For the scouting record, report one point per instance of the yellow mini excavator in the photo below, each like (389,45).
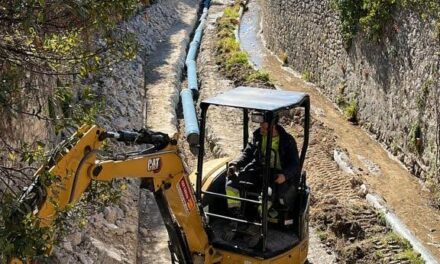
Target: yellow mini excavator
(203,226)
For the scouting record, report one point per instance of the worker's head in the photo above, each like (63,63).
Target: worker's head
(264,127)
(259,117)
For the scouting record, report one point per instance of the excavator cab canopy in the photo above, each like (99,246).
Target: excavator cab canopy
(263,105)
(267,101)
(259,99)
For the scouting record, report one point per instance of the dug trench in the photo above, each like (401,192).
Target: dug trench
(224,125)
(340,216)
(345,228)
(342,221)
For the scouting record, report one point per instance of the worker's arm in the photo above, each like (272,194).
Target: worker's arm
(291,168)
(245,157)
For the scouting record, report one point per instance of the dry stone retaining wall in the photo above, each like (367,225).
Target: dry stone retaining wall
(394,82)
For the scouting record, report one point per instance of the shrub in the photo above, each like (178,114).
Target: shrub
(307,75)
(259,76)
(371,16)
(351,110)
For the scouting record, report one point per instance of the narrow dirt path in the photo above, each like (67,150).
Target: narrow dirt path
(163,73)
(400,189)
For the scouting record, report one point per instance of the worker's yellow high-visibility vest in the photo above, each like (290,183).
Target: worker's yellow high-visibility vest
(234,192)
(274,154)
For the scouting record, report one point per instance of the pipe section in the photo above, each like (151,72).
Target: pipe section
(191,67)
(189,112)
(191,64)
(189,95)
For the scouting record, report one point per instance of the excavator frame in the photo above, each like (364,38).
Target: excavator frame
(77,163)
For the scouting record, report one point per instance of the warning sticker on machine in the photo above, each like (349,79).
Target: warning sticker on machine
(185,195)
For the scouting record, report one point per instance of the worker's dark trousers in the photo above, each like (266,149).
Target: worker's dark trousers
(283,195)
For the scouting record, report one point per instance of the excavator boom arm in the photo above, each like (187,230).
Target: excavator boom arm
(76,165)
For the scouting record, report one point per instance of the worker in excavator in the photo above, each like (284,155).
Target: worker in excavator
(284,164)
(198,232)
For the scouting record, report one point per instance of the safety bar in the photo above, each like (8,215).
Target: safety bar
(233,219)
(232,197)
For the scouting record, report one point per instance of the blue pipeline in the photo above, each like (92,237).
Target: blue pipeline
(191,64)
(189,112)
(192,71)
(192,52)
(189,95)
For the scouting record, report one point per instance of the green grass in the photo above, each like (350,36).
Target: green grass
(382,220)
(259,75)
(229,44)
(379,254)
(234,62)
(232,12)
(408,253)
(412,256)
(340,100)
(322,235)
(237,59)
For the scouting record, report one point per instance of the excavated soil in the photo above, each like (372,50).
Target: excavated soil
(343,218)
